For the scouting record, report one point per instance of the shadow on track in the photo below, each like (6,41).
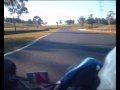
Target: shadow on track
(50,46)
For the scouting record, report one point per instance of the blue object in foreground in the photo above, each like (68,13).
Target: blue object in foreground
(84,75)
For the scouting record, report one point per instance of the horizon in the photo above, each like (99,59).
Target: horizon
(53,11)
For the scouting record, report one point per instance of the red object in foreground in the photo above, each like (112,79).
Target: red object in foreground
(38,77)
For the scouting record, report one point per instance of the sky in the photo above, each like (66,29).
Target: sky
(53,11)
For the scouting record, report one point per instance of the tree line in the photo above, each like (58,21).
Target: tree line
(90,20)
(18,7)
(36,20)
(17,20)
(81,20)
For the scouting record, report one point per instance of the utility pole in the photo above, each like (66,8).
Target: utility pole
(57,24)
(101,10)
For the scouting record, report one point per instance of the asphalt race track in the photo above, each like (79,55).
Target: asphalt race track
(55,53)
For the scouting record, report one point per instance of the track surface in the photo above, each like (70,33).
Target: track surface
(58,51)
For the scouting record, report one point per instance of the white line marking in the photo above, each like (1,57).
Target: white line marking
(11,52)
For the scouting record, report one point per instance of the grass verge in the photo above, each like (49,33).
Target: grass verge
(102,29)
(15,41)
(102,32)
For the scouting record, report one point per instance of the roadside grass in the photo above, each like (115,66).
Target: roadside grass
(12,44)
(15,41)
(20,26)
(103,29)
(25,28)
(103,32)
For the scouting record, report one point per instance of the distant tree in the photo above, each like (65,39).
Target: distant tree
(104,21)
(16,7)
(91,20)
(10,20)
(60,21)
(57,24)
(81,20)
(45,22)
(100,21)
(70,21)
(30,21)
(113,21)
(97,20)
(22,21)
(110,17)
(18,20)
(37,20)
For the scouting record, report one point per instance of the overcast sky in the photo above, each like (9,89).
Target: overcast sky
(52,11)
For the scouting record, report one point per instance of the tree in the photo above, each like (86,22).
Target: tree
(70,21)
(37,20)
(100,21)
(60,21)
(57,24)
(113,21)
(90,20)
(103,21)
(110,17)
(81,20)
(30,21)
(97,20)
(8,20)
(16,7)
